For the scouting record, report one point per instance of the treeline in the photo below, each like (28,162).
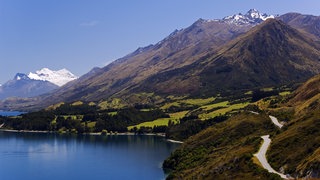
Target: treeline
(126,117)
(87,119)
(81,119)
(69,109)
(39,121)
(154,129)
(191,125)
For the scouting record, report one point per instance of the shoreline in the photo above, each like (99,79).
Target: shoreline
(95,134)
(125,133)
(24,131)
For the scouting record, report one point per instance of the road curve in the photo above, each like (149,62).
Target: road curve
(261,155)
(275,121)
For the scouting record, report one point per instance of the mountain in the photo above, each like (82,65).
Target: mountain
(208,57)
(22,86)
(304,23)
(181,48)
(267,56)
(34,84)
(59,78)
(271,54)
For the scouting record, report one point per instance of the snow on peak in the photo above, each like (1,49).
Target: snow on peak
(59,78)
(252,17)
(20,76)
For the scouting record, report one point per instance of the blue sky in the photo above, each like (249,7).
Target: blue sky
(82,34)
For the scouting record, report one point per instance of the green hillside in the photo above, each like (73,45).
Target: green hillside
(224,150)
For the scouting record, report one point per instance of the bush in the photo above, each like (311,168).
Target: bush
(104,132)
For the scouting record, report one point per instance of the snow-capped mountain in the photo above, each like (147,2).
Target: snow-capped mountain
(22,86)
(59,78)
(34,84)
(252,17)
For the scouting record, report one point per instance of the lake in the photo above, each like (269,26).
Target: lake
(32,156)
(10,113)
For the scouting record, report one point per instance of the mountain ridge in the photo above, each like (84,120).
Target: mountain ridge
(253,16)
(180,51)
(255,52)
(180,48)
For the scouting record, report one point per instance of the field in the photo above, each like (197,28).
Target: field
(174,117)
(225,109)
(205,109)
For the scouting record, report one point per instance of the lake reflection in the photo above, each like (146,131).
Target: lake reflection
(52,156)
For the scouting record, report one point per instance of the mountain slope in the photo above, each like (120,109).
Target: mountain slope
(270,54)
(34,84)
(181,48)
(297,150)
(224,151)
(22,86)
(306,23)
(206,58)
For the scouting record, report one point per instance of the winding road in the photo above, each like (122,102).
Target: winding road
(261,154)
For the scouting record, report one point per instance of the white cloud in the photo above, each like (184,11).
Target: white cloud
(89,23)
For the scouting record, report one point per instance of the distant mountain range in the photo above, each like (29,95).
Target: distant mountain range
(236,53)
(34,84)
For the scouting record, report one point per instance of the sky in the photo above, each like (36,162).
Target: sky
(81,34)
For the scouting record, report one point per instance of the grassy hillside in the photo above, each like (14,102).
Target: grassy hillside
(297,149)
(223,151)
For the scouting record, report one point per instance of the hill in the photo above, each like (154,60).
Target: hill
(297,150)
(224,150)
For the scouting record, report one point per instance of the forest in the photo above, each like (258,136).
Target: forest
(82,119)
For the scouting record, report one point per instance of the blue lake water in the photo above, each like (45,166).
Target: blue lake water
(10,113)
(32,156)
